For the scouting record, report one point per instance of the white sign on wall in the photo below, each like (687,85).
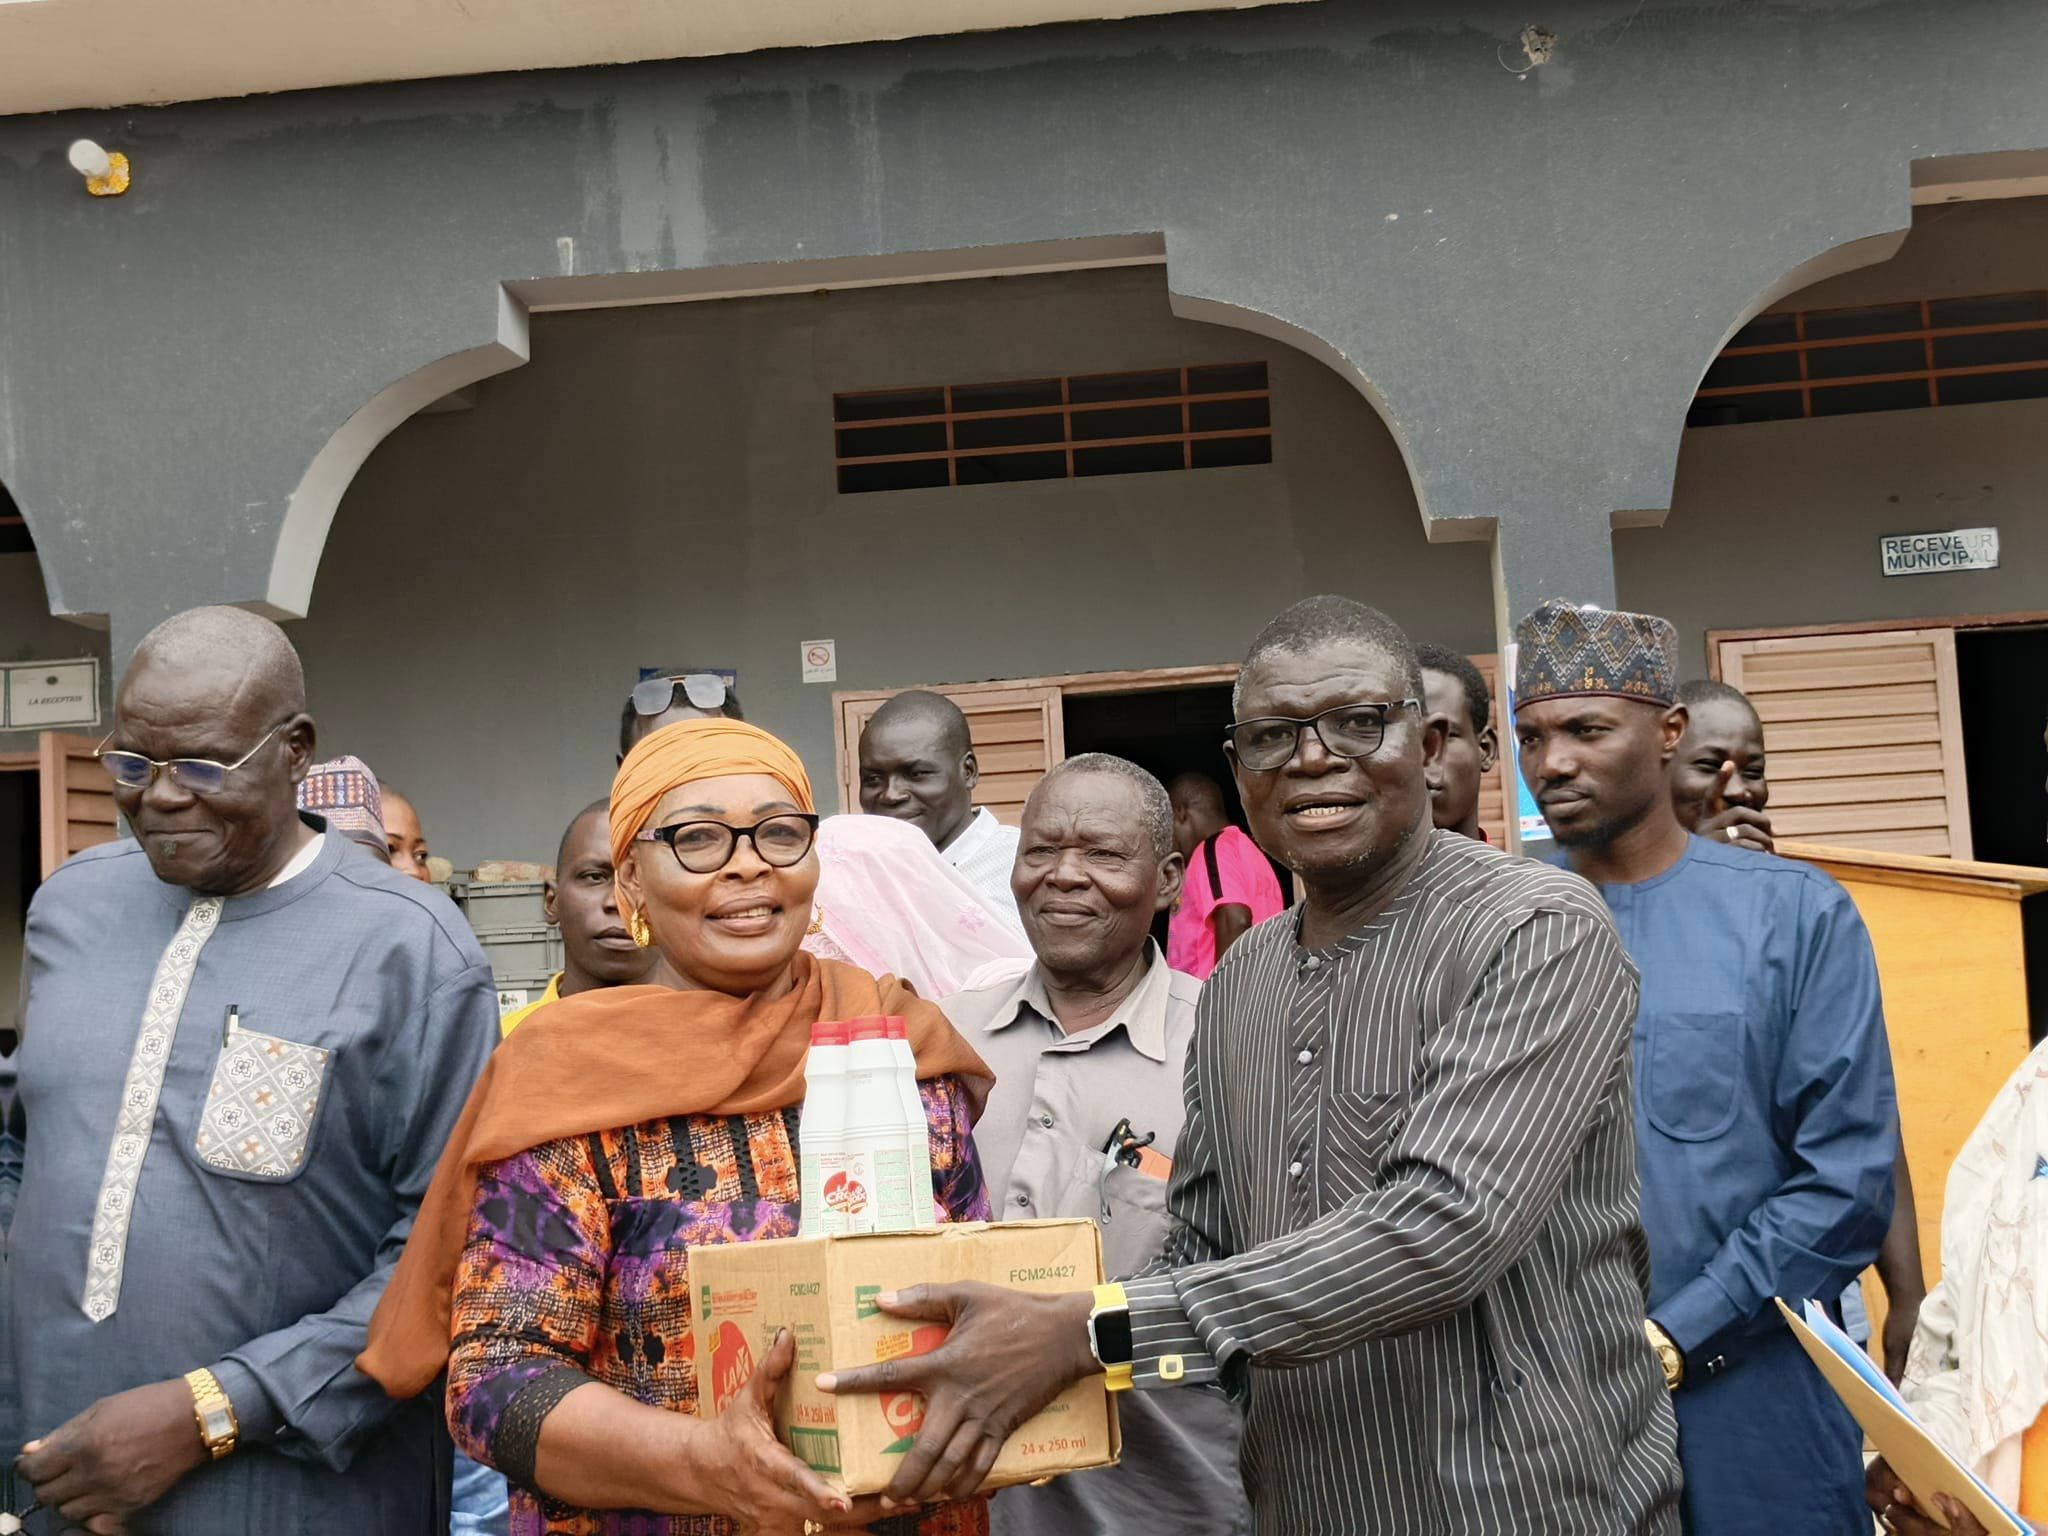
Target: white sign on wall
(821,661)
(44,695)
(1922,554)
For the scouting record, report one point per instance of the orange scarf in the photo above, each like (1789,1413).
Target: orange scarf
(616,1057)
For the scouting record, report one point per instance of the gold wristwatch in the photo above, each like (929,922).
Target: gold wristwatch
(1667,1354)
(216,1415)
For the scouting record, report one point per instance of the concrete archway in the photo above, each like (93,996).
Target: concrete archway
(314,501)
(656,488)
(302,534)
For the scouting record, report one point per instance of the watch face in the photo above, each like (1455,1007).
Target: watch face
(220,1424)
(1112,1334)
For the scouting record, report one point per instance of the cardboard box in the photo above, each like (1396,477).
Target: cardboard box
(823,1288)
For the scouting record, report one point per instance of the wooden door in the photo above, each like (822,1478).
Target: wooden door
(1864,737)
(1496,794)
(1017,729)
(77,798)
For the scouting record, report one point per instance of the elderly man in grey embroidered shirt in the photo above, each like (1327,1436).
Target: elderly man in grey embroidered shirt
(1088,1049)
(241,1054)
(1405,1200)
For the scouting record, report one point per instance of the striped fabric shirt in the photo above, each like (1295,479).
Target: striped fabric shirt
(983,853)
(1406,1218)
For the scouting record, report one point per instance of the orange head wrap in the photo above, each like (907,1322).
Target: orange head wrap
(690,750)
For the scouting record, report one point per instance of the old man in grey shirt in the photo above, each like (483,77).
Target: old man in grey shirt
(1089,1048)
(245,1042)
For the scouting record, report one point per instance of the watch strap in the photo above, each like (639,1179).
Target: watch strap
(215,1412)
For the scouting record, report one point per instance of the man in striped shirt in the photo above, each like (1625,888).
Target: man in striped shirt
(1404,1204)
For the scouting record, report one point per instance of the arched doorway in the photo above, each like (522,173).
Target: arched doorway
(701,485)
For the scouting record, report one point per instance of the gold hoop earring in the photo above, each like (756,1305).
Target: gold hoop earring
(817,922)
(636,925)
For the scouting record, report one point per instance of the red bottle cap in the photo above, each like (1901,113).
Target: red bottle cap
(829,1032)
(872,1028)
(899,1028)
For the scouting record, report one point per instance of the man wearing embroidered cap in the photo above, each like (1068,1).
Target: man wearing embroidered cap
(1765,1119)
(344,792)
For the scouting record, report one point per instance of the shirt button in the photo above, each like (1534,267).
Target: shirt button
(1294,1170)
(1020,1199)
(1046,1121)
(1306,1056)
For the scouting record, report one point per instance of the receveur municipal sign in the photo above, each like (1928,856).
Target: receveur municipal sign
(1922,554)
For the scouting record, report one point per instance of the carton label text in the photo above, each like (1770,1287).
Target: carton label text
(1035,1272)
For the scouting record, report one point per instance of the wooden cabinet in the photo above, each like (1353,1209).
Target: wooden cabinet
(1952,961)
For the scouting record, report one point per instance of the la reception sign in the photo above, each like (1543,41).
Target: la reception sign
(1922,554)
(37,695)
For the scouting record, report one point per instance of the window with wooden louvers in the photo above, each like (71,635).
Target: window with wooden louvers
(1862,735)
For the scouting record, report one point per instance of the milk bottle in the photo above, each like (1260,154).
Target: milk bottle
(821,1130)
(917,1131)
(875,1162)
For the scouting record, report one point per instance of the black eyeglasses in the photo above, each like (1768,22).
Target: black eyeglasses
(1349,730)
(657,695)
(200,775)
(706,847)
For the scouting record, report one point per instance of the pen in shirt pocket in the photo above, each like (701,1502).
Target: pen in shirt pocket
(229,1023)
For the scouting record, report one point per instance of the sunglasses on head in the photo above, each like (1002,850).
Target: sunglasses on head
(657,695)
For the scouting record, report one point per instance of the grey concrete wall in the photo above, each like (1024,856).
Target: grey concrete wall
(28,632)
(1777,523)
(1953,250)
(656,488)
(1530,266)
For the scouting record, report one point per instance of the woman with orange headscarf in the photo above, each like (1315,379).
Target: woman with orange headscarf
(618,1129)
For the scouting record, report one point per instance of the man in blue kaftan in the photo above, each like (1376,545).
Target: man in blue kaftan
(1766,1124)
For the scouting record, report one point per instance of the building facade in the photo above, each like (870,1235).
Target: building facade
(504,388)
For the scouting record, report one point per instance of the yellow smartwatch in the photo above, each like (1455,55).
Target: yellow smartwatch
(1109,1336)
(216,1415)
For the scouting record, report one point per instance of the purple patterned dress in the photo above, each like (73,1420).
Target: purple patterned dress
(577,1269)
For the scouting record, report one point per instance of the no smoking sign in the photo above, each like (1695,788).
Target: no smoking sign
(820,661)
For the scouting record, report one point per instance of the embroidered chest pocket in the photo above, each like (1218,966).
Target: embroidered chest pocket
(261,1107)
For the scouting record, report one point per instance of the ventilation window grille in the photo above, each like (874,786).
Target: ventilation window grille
(1200,417)
(1883,357)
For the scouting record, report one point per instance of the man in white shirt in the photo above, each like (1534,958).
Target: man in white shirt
(917,765)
